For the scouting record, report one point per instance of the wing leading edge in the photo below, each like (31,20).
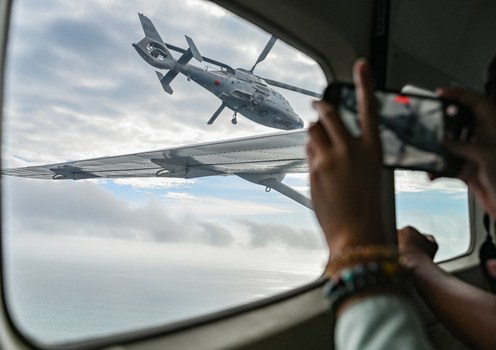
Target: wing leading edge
(263,160)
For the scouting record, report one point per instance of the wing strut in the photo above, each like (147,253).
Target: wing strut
(274,181)
(288,192)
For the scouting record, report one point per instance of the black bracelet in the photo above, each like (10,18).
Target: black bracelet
(360,278)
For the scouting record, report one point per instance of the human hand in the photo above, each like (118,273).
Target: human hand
(416,249)
(411,241)
(479,172)
(345,171)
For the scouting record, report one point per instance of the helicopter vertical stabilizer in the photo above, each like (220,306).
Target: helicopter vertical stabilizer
(152,48)
(149,28)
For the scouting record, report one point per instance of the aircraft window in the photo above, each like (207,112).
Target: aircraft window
(96,257)
(439,208)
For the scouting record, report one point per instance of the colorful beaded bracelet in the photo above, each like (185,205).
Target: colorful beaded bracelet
(362,277)
(361,255)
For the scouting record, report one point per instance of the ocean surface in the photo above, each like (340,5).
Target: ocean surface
(55,302)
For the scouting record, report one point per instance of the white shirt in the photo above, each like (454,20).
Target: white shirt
(381,322)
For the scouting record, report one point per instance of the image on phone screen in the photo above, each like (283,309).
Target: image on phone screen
(411,128)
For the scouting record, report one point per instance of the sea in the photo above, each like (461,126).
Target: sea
(56,302)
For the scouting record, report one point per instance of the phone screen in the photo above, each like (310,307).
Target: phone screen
(412,128)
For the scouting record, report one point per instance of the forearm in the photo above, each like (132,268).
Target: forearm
(468,312)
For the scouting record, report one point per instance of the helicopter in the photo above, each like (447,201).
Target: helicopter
(240,90)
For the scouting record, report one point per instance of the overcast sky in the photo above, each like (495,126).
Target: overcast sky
(77,89)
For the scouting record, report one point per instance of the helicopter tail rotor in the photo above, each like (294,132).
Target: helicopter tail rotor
(152,48)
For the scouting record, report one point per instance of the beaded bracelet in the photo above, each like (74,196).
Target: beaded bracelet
(362,277)
(361,254)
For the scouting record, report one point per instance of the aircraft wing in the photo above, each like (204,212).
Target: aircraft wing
(263,160)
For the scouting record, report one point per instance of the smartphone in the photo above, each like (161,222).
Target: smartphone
(412,127)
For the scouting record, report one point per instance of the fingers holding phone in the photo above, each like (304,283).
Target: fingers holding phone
(345,173)
(479,172)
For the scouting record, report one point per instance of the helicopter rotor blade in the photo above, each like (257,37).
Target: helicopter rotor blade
(292,88)
(206,59)
(265,51)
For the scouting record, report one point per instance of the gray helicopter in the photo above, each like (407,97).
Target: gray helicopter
(239,89)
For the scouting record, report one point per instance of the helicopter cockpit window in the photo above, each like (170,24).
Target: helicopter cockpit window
(159,235)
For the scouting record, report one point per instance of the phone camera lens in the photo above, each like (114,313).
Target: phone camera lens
(452,110)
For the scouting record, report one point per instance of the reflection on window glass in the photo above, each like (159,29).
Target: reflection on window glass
(439,208)
(89,258)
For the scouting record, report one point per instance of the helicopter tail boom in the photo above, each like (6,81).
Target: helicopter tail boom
(165,80)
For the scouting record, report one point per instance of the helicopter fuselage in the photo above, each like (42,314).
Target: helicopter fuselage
(239,90)
(246,94)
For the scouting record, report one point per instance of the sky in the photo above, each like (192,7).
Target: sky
(76,89)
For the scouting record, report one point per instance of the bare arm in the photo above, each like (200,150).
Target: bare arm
(345,179)
(469,313)
(345,176)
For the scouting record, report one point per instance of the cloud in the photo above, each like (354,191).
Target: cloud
(213,205)
(415,181)
(156,184)
(76,89)
(214,234)
(262,234)
(85,208)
